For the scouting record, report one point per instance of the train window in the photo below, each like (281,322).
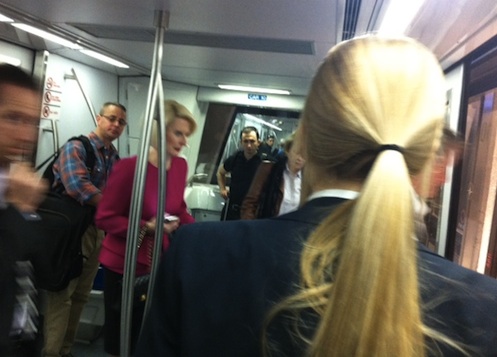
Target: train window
(221,136)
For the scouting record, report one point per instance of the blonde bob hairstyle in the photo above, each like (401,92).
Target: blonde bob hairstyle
(358,268)
(173,110)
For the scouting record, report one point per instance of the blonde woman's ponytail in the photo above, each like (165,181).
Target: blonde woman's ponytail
(373,119)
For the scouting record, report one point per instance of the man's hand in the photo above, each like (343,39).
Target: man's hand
(25,190)
(221,182)
(225,193)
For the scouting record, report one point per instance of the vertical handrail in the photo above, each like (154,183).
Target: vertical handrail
(55,134)
(40,71)
(161,204)
(161,19)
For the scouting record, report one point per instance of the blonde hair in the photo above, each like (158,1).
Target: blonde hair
(173,110)
(359,268)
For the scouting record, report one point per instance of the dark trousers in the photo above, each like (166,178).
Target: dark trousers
(233,213)
(112,327)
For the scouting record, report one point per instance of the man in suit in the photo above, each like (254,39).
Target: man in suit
(20,193)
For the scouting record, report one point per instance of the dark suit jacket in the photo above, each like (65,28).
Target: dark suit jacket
(219,279)
(18,242)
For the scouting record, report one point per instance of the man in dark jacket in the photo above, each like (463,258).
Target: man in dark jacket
(267,151)
(20,193)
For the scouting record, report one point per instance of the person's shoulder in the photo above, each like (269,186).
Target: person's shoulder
(257,157)
(79,143)
(179,166)
(94,139)
(73,149)
(443,272)
(179,161)
(130,160)
(219,233)
(200,228)
(230,160)
(228,235)
(236,154)
(459,302)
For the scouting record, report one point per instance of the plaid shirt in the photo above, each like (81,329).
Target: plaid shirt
(70,168)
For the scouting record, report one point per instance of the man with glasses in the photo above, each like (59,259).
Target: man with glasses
(85,185)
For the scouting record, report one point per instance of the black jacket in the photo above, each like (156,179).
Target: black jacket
(219,279)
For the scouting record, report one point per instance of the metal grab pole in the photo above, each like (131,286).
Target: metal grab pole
(161,204)
(161,19)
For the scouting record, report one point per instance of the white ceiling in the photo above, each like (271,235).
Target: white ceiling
(269,43)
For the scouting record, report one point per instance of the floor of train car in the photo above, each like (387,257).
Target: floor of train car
(89,349)
(89,338)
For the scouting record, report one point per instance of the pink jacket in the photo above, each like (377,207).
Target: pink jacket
(113,210)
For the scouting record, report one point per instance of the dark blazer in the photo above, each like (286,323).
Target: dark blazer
(219,279)
(18,242)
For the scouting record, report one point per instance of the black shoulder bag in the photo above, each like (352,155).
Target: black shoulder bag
(63,222)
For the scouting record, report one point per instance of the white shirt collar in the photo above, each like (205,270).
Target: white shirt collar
(345,194)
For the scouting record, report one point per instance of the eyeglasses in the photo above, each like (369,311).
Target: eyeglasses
(112,119)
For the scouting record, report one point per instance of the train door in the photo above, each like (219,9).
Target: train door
(475,238)
(220,139)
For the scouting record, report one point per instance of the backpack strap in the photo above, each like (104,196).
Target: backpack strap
(90,153)
(89,162)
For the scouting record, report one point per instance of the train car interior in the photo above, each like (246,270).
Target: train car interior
(235,63)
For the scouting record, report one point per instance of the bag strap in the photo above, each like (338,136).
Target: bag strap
(90,153)
(141,237)
(89,162)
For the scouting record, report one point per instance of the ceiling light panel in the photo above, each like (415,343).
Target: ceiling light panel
(254,89)
(104,58)
(46,35)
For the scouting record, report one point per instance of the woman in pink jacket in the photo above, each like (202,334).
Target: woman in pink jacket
(113,216)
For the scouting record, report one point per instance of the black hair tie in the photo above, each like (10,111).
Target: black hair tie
(390,147)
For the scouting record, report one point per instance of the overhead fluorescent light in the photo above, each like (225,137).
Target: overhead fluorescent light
(104,58)
(46,35)
(10,60)
(263,122)
(398,16)
(254,89)
(4,18)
